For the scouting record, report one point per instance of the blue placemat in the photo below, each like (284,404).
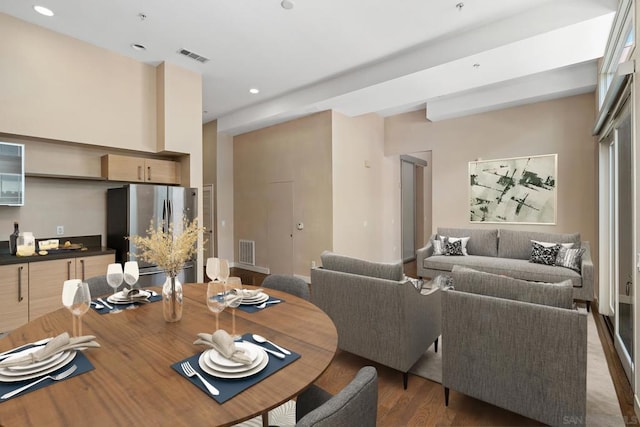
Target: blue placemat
(80,360)
(253,308)
(105,309)
(230,387)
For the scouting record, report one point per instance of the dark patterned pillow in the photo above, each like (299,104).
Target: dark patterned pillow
(454,248)
(570,258)
(544,254)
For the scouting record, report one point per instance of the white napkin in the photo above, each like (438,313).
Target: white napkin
(60,343)
(222,342)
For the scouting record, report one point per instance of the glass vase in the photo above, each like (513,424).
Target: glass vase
(172,299)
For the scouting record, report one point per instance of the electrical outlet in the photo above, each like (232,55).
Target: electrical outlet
(60,230)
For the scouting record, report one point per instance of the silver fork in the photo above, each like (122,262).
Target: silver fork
(58,377)
(190,372)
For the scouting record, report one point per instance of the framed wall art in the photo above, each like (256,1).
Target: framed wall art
(518,190)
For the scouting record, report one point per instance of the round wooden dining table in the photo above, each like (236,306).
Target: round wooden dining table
(133,383)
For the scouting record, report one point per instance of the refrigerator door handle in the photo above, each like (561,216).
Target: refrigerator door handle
(164,215)
(169,204)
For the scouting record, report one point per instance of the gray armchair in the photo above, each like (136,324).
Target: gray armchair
(356,404)
(515,344)
(378,315)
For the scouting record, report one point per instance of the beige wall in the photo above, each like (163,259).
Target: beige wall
(209,148)
(56,89)
(297,151)
(560,126)
(224,196)
(365,191)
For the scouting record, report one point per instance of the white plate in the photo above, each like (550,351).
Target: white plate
(119,298)
(62,362)
(256,300)
(240,368)
(31,369)
(220,360)
(48,360)
(235,375)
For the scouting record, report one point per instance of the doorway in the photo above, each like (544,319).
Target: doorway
(415,189)
(618,260)
(280,228)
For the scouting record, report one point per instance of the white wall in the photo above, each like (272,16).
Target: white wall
(366,196)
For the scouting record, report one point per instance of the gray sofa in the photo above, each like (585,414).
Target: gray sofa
(507,252)
(378,315)
(527,355)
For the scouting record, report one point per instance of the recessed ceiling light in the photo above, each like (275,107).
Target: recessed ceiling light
(287,4)
(43,10)
(254,91)
(476,65)
(138,46)
(460,6)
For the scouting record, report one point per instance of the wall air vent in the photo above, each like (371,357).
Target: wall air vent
(193,55)
(247,252)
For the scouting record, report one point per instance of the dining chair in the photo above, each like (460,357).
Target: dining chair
(289,284)
(356,404)
(98,286)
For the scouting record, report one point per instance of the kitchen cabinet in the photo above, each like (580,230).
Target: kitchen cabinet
(138,169)
(46,278)
(14,294)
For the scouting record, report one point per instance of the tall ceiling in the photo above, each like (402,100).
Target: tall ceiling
(454,57)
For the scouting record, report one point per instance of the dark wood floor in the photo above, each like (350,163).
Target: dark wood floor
(422,404)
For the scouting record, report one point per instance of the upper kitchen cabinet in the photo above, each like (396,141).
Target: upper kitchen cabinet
(138,169)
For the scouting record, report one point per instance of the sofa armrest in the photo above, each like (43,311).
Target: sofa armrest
(587,273)
(422,253)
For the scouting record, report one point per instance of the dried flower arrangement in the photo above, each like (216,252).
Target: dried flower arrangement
(167,249)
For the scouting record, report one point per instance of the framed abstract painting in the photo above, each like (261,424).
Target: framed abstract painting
(519,190)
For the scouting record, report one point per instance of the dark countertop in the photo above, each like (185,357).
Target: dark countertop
(7,259)
(92,246)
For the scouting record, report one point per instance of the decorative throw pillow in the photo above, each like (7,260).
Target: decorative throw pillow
(439,245)
(463,240)
(544,255)
(454,248)
(549,244)
(570,258)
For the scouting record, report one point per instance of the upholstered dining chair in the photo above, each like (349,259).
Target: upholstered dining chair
(98,286)
(289,284)
(356,404)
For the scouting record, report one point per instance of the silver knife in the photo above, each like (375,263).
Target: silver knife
(275,353)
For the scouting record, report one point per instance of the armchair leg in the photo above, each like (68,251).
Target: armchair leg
(436,345)
(446,396)
(588,306)
(405,379)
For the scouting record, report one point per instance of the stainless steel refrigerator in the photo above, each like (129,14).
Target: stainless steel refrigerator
(130,210)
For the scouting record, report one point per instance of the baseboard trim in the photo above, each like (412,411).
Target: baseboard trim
(254,268)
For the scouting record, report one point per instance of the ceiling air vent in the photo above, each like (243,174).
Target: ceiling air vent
(193,55)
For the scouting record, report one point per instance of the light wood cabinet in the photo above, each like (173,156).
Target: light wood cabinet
(14,295)
(138,169)
(45,284)
(92,266)
(46,279)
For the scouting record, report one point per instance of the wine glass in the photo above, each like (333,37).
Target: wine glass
(131,273)
(213,268)
(77,298)
(115,276)
(234,298)
(224,270)
(216,298)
